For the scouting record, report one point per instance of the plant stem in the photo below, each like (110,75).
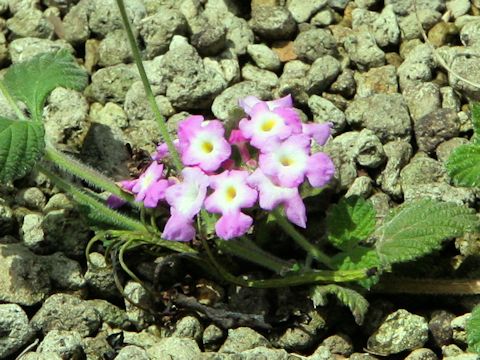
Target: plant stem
(11,101)
(391,285)
(311,249)
(84,172)
(148,90)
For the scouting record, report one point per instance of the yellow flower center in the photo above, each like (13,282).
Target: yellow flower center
(268,125)
(231,193)
(207,147)
(286,161)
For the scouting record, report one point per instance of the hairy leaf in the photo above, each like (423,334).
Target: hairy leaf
(348,297)
(473,330)
(419,228)
(476,122)
(31,81)
(350,221)
(21,145)
(359,258)
(463,165)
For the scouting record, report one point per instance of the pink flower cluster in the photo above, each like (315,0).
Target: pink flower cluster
(265,160)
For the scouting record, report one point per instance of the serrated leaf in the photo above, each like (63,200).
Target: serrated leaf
(476,122)
(463,165)
(420,227)
(31,81)
(359,257)
(473,330)
(348,297)
(350,221)
(21,145)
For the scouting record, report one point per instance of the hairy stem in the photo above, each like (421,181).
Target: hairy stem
(88,174)
(11,101)
(391,285)
(148,90)
(311,249)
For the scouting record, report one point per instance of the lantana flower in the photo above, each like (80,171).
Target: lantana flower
(319,132)
(230,196)
(185,199)
(202,143)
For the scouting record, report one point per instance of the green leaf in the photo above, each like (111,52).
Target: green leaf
(31,81)
(463,165)
(348,297)
(21,145)
(357,258)
(420,227)
(476,122)
(473,330)
(350,221)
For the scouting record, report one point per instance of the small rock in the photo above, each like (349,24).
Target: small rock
(363,146)
(136,293)
(212,336)
(363,50)
(323,18)
(66,312)
(14,329)
(114,49)
(422,354)
(174,348)
(450,99)
(30,22)
(264,78)
(345,84)
(226,64)
(422,170)
(417,67)
(241,339)
(400,331)
(442,33)
(458,326)
(311,44)
(111,115)
(403,7)
(436,127)
(322,74)
(75,23)
(345,169)
(190,327)
(111,314)
(294,81)
(208,37)
(7,218)
(28,47)
(227,102)
(362,356)
(422,99)
(158,30)
(71,275)
(385,114)
(273,22)
(33,198)
(470,33)
(362,187)
(302,11)
(445,149)
(262,352)
(458,7)
(66,344)
(466,66)
(409,28)
(264,57)
(452,351)
(302,337)
(440,192)
(111,84)
(132,352)
(338,344)
(239,34)
(379,80)
(440,327)
(23,276)
(324,111)
(398,154)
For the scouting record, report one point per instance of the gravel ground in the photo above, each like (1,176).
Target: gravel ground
(362,65)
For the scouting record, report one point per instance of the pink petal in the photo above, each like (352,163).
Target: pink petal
(233,225)
(270,195)
(320,169)
(295,211)
(155,193)
(115,202)
(291,118)
(178,228)
(285,101)
(319,132)
(248,103)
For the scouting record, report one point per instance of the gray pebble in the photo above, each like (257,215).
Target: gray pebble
(345,84)
(440,327)
(409,24)
(132,352)
(227,102)
(403,7)
(322,74)
(111,115)
(362,187)
(323,18)
(111,314)
(239,34)
(75,22)
(363,50)
(364,147)
(262,352)
(338,4)
(190,327)
(450,99)
(324,111)
(458,325)
(26,48)
(422,99)
(33,198)
(174,348)
(32,233)
(7,218)
(470,33)
(99,276)
(338,344)
(465,64)
(136,293)
(302,11)
(293,81)
(111,83)
(226,64)
(30,23)
(67,312)
(14,328)
(445,149)
(158,30)
(114,49)
(299,338)
(212,336)
(345,169)
(71,275)
(398,154)
(385,114)
(264,57)
(400,331)
(422,170)
(241,339)
(311,44)
(273,22)
(379,80)
(458,7)
(66,344)
(208,37)
(264,78)
(436,127)
(422,354)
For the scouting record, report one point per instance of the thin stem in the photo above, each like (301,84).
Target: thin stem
(82,171)
(148,90)
(391,285)
(311,249)
(11,101)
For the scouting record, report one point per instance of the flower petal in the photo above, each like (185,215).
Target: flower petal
(295,211)
(320,169)
(178,227)
(232,225)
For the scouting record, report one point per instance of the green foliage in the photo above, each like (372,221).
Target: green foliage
(21,145)
(348,297)
(350,221)
(359,257)
(419,227)
(31,81)
(473,330)
(463,165)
